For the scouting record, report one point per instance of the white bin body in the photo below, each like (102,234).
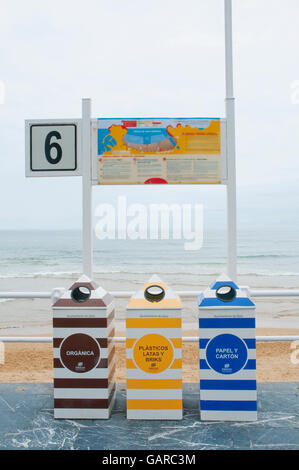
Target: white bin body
(84,355)
(227,355)
(154,356)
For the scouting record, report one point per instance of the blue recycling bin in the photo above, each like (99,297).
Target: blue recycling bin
(227,353)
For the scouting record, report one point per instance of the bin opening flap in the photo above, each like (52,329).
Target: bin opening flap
(154,293)
(84,293)
(224,293)
(81,293)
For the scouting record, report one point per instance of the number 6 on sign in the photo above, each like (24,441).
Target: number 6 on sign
(49,146)
(53,148)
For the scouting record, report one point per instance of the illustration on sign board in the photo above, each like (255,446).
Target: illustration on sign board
(166,150)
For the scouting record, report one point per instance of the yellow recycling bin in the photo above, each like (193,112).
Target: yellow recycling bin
(154,353)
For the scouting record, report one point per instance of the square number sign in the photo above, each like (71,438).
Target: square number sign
(53,148)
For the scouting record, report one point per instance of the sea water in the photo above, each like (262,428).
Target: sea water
(263,255)
(41,260)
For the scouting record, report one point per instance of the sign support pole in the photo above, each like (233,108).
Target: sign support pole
(87,248)
(231,151)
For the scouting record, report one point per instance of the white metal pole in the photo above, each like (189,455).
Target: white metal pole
(87,249)
(231,164)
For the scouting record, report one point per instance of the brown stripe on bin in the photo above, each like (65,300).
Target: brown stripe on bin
(81,383)
(105,361)
(81,403)
(80,322)
(90,285)
(57,342)
(103,342)
(57,364)
(103,364)
(74,304)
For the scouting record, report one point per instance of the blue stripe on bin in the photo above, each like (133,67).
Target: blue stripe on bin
(214,302)
(203,342)
(218,284)
(251,364)
(203,364)
(221,405)
(250,343)
(227,323)
(227,384)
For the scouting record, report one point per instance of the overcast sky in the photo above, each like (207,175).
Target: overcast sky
(148,58)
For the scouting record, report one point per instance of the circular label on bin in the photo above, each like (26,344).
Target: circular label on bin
(153,353)
(80,353)
(226,353)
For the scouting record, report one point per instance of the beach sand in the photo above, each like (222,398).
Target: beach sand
(32,362)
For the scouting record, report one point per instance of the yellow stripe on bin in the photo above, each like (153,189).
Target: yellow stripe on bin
(165,303)
(177,364)
(154,404)
(154,384)
(130,364)
(177,342)
(153,323)
(130,342)
(149,284)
